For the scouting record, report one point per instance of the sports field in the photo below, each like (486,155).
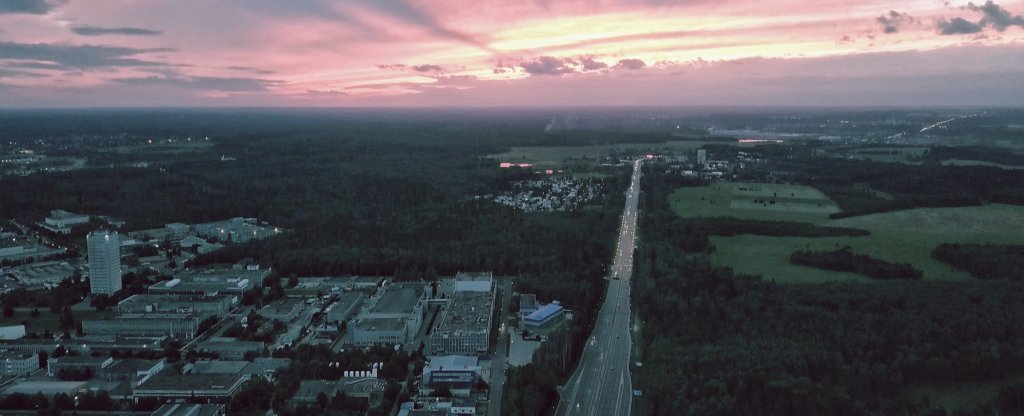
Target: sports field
(902,236)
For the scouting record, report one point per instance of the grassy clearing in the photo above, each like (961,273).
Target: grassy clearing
(753,201)
(900,237)
(560,156)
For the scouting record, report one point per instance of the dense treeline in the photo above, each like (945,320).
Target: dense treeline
(982,153)
(855,184)
(845,260)
(714,343)
(984,261)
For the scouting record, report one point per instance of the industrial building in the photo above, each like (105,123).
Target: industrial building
(284,310)
(458,373)
(86,345)
(104,262)
(236,230)
(543,317)
(61,221)
(95,365)
(347,305)
(192,387)
(208,288)
(187,409)
(368,332)
(133,370)
(12,332)
(16,363)
(229,348)
(218,305)
(391,315)
(466,321)
(177,325)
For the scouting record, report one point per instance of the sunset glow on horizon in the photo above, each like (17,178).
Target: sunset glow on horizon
(436,53)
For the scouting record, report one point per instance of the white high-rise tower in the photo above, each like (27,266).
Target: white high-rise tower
(104,262)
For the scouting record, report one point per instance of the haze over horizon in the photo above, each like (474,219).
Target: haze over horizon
(412,53)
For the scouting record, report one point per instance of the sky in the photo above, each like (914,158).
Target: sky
(527,53)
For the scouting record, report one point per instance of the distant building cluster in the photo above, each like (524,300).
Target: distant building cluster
(551,194)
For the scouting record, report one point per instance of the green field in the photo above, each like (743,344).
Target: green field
(740,200)
(560,156)
(901,236)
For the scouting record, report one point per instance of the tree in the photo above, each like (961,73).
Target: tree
(293,280)
(67,319)
(8,311)
(43,359)
(34,313)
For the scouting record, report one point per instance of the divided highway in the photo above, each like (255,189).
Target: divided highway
(601,384)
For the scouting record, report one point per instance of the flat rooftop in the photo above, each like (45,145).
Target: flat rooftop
(164,381)
(474,276)
(47,388)
(380,324)
(399,298)
(218,367)
(468,312)
(221,274)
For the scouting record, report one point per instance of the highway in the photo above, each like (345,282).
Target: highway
(601,384)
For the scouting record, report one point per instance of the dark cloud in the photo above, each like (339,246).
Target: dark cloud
(591,64)
(958,26)
(101,31)
(227,84)
(28,6)
(996,16)
(251,69)
(427,68)
(547,65)
(501,68)
(893,21)
(63,56)
(392,67)
(10,73)
(631,64)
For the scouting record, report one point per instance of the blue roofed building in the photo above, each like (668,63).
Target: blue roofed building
(543,316)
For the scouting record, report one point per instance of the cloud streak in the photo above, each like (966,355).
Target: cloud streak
(103,31)
(77,56)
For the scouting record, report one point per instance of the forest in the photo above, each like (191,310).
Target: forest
(717,343)
(863,187)
(845,260)
(984,261)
